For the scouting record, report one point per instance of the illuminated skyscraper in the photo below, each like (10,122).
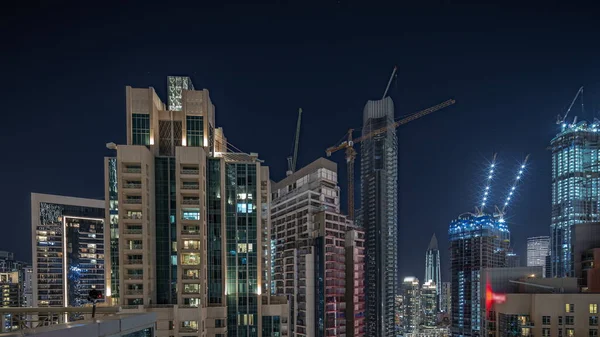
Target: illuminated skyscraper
(429,303)
(476,242)
(379,212)
(68,249)
(537,249)
(411,304)
(575,190)
(432,267)
(189,221)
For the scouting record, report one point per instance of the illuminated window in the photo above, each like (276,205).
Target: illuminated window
(244,208)
(246,319)
(191,244)
(593,308)
(190,259)
(191,215)
(545,332)
(191,288)
(569,307)
(570,332)
(244,248)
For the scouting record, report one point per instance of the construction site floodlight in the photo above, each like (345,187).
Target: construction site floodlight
(514,186)
(488,183)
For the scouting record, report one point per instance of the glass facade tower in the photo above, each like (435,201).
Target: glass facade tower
(379,214)
(476,242)
(575,197)
(432,267)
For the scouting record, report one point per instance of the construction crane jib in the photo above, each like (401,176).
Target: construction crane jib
(349,143)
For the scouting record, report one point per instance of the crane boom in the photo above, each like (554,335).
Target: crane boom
(292,160)
(389,82)
(562,120)
(348,145)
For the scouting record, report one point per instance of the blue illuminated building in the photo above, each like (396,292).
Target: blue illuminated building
(477,241)
(575,196)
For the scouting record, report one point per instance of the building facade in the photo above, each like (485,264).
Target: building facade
(68,249)
(319,254)
(379,216)
(411,305)
(189,221)
(429,304)
(537,249)
(432,267)
(476,242)
(446,297)
(575,195)
(513,259)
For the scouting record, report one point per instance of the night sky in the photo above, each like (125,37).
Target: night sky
(511,71)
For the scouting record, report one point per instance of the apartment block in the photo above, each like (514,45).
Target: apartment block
(319,254)
(67,250)
(189,221)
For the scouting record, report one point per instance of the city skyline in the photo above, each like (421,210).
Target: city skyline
(432,170)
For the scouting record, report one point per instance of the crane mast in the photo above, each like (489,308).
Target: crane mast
(348,145)
(292,160)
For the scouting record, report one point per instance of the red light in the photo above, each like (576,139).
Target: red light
(491,297)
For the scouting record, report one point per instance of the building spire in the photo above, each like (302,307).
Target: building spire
(433,243)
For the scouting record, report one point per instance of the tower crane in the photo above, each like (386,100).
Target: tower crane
(561,120)
(292,160)
(348,145)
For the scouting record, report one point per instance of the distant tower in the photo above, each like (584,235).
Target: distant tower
(432,267)
(513,260)
(429,303)
(537,249)
(575,193)
(411,304)
(379,209)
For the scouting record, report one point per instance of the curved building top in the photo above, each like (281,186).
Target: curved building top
(469,225)
(379,108)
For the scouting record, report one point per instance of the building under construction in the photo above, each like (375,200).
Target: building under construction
(477,240)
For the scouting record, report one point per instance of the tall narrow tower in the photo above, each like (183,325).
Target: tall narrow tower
(432,267)
(379,209)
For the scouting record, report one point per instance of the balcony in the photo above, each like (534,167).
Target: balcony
(133,262)
(188,186)
(190,171)
(190,202)
(190,232)
(132,231)
(188,329)
(132,185)
(134,277)
(132,217)
(134,292)
(132,169)
(190,277)
(134,247)
(133,201)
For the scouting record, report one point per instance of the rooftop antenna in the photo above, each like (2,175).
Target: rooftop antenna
(511,191)
(561,120)
(486,192)
(292,160)
(389,82)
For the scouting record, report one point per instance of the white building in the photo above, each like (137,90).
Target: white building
(411,305)
(537,249)
(189,221)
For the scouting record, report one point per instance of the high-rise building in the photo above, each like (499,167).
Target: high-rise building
(411,305)
(189,221)
(319,257)
(513,260)
(68,249)
(476,242)
(379,216)
(429,303)
(432,267)
(11,295)
(537,249)
(446,298)
(575,190)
